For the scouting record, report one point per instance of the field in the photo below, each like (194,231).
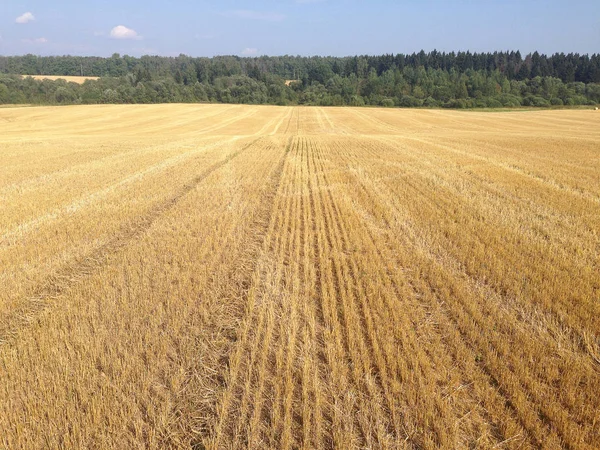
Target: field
(71,79)
(218,276)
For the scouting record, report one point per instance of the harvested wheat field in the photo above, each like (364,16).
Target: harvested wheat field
(217,276)
(72,79)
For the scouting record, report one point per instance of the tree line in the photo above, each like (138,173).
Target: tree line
(434,79)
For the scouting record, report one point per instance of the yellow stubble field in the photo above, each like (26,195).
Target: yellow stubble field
(68,78)
(218,276)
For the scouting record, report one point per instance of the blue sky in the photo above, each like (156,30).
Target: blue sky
(298,27)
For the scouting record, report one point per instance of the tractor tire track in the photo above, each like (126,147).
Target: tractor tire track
(251,330)
(65,278)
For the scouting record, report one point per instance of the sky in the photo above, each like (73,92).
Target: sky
(296,27)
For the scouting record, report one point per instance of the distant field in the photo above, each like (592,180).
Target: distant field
(78,80)
(14,106)
(218,276)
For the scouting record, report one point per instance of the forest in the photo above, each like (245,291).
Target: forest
(434,79)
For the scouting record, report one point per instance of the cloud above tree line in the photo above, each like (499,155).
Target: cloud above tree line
(122,32)
(25,18)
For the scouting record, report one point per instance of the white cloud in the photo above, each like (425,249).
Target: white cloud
(25,17)
(249,51)
(41,40)
(256,15)
(122,32)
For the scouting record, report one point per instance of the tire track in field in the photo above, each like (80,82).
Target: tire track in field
(265,300)
(287,422)
(325,123)
(257,331)
(277,121)
(235,287)
(273,396)
(208,336)
(85,200)
(315,400)
(208,129)
(299,129)
(201,131)
(29,184)
(181,121)
(320,120)
(293,126)
(335,128)
(295,412)
(63,279)
(288,116)
(275,373)
(22,229)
